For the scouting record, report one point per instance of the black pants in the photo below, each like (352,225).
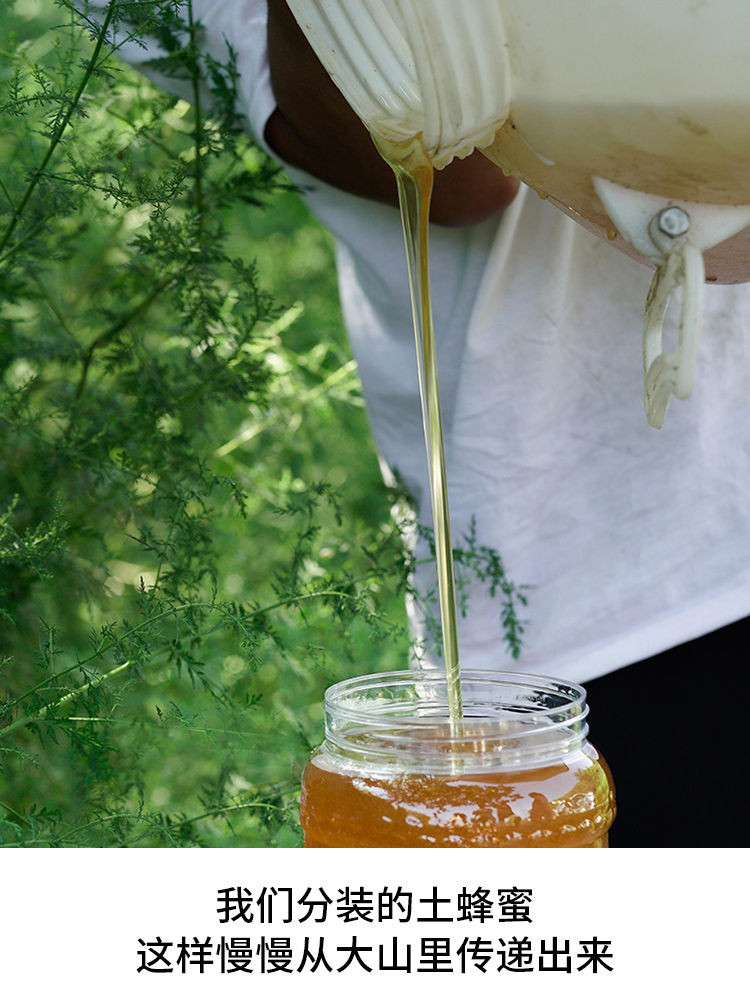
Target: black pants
(675,731)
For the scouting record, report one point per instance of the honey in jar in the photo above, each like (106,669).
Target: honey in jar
(516,770)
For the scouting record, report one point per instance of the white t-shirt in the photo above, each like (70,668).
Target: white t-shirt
(630,540)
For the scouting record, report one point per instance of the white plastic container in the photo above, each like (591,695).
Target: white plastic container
(410,67)
(618,110)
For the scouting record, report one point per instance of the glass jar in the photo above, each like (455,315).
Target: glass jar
(515,771)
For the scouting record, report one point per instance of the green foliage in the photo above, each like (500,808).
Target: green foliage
(186,559)
(477,563)
(194,535)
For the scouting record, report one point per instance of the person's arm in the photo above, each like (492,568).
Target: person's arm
(315,129)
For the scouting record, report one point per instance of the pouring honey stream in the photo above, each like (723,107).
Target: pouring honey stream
(414,177)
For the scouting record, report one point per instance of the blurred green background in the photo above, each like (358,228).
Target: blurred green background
(194,535)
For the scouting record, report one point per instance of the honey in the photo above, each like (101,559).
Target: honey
(394,771)
(414,178)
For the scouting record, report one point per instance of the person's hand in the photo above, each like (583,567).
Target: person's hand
(314,128)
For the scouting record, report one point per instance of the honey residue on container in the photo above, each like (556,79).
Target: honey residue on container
(558,149)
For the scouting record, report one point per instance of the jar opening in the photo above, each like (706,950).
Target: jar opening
(400,721)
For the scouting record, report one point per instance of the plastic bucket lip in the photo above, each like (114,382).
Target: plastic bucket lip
(414,69)
(499,730)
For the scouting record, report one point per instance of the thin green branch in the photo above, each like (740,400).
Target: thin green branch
(54,705)
(197,111)
(115,329)
(100,652)
(163,827)
(259,612)
(219,811)
(14,812)
(59,130)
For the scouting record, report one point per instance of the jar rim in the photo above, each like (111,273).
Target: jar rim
(510,720)
(335,696)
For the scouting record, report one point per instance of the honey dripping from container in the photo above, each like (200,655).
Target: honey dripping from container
(414,176)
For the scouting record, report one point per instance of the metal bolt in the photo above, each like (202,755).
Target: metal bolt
(673,221)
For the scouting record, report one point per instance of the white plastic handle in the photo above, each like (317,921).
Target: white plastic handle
(672,373)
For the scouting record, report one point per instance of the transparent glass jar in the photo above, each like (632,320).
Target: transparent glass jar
(515,771)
